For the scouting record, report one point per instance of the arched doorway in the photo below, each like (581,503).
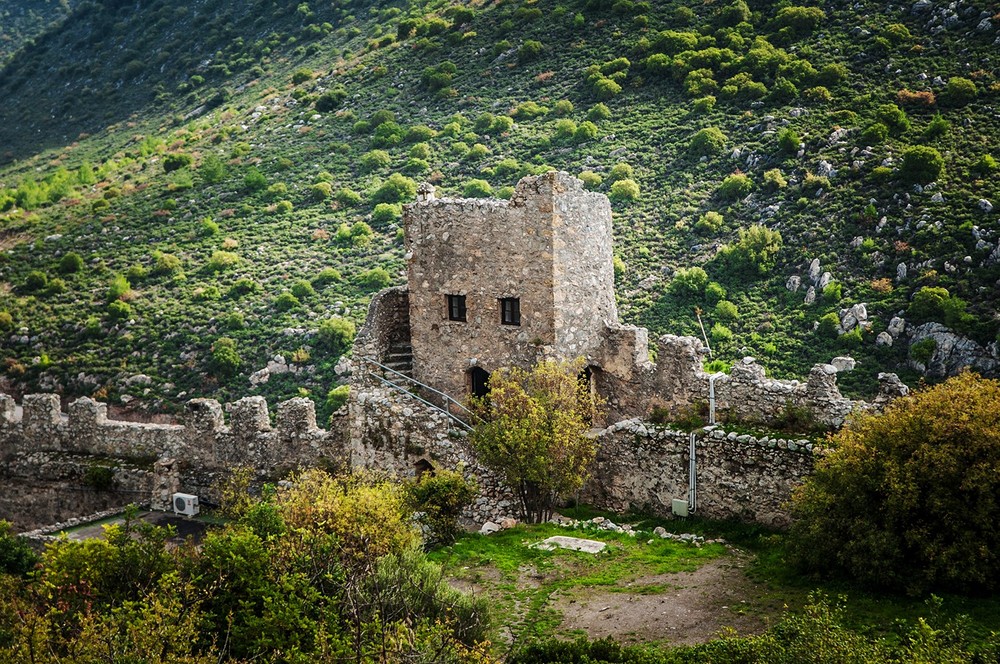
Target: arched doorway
(478,381)
(422,466)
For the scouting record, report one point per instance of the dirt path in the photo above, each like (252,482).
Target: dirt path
(682,609)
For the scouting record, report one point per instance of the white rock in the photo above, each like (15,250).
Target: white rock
(793,283)
(843,363)
(883,339)
(489,528)
(985,205)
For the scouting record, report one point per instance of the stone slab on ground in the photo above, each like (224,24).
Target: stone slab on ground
(572,543)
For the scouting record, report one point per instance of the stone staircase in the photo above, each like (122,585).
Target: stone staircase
(399,358)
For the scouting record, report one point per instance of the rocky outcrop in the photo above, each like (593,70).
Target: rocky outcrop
(952,353)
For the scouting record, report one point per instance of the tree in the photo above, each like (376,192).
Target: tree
(532,432)
(908,498)
(921,164)
(225,360)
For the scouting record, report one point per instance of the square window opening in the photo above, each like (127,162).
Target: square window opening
(456,307)
(510,311)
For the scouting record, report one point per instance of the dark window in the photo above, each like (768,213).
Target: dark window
(456,307)
(510,311)
(479,382)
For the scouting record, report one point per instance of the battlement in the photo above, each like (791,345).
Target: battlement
(201,440)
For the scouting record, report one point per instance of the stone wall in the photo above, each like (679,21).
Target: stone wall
(41,488)
(642,466)
(387,322)
(44,453)
(549,246)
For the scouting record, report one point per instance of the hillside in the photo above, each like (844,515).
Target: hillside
(204,162)
(24,20)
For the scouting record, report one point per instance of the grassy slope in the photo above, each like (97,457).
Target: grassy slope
(215,78)
(23,20)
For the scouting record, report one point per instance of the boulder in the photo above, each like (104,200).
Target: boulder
(883,339)
(793,283)
(489,528)
(953,353)
(814,270)
(810,295)
(843,363)
(896,327)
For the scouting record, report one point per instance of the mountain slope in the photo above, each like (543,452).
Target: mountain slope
(286,138)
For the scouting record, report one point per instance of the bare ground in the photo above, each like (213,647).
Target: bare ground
(694,607)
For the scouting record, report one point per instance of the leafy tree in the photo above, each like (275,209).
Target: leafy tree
(689,282)
(438,498)
(532,432)
(225,359)
(70,263)
(921,164)
(908,498)
(789,141)
(336,333)
(754,252)
(397,188)
(212,169)
(16,555)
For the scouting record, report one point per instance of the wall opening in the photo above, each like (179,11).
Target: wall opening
(422,466)
(478,380)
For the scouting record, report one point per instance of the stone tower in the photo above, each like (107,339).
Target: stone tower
(501,283)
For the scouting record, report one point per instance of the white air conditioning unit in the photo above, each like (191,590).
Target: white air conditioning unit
(186,504)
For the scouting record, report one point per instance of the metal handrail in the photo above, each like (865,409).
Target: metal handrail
(416,382)
(403,390)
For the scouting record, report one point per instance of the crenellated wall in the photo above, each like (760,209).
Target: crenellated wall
(45,453)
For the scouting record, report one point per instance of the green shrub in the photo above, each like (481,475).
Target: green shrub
(254,180)
(714,292)
(348,197)
(222,261)
(243,286)
(286,302)
(774,180)
(6,321)
(906,500)
(336,334)
(921,164)
(70,263)
(605,88)
(591,180)
(164,264)
(789,141)
(176,160)
(985,165)
(624,190)
(735,187)
(225,359)
(17,558)
(833,292)
(375,279)
(726,311)
(397,188)
(36,281)
(530,50)
(562,107)
(689,283)
(720,333)
(875,134)
(119,288)
(327,276)
(283,207)
(375,160)
(708,141)
(922,351)
(320,191)
(599,112)
(302,75)
(829,326)
(385,213)
(331,99)
(704,104)
(477,189)
(937,127)
(337,397)
(754,253)
(440,497)
(586,131)
(621,171)
(959,91)
(893,117)
(802,20)
(119,310)
(709,223)
(936,304)
(303,289)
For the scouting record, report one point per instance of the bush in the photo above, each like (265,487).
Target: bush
(689,283)
(720,333)
(624,190)
(320,191)
(337,397)
(907,499)
(119,288)
(374,160)
(789,141)
(331,100)
(477,189)
(348,197)
(375,279)
(921,164)
(591,180)
(985,165)
(176,161)
(704,104)
(754,254)
(959,91)
(16,555)
(225,360)
(221,261)
(937,127)
(709,223)
(336,334)
(829,326)
(119,310)
(708,141)
(802,20)
(397,188)
(875,134)
(70,263)
(529,50)
(303,289)
(439,498)
(726,311)
(254,180)
(621,171)
(327,276)
(6,321)
(164,264)
(36,281)
(599,112)
(286,302)
(893,117)
(586,131)
(735,187)
(833,292)
(302,75)
(774,180)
